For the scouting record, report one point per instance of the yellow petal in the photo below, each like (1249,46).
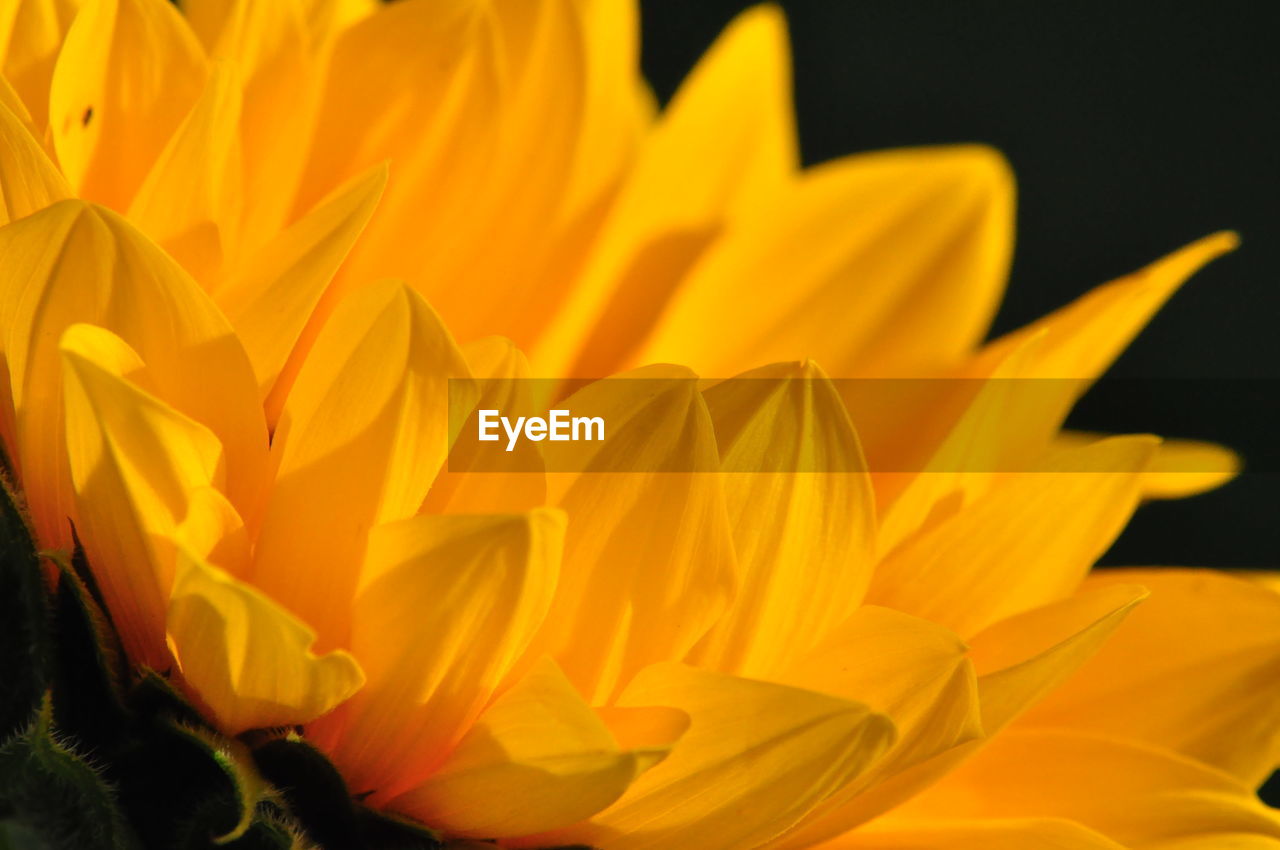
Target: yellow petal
(802,511)
(75,262)
(970,570)
(1087,335)
(269,45)
(914,672)
(1180,468)
(271,297)
(415,85)
(11,101)
(975,834)
(894,263)
(726,143)
(362,435)
(248,660)
(1133,793)
(536,760)
(189,201)
(1193,670)
(938,445)
(615,613)
(128,73)
(1219,841)
(618,108)
(1021,659)
(29,181)
(134,464)
(446,608)
(31,33)
(327,19)
(756,758)
(468,485)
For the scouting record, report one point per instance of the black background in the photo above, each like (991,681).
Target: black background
(1133,128)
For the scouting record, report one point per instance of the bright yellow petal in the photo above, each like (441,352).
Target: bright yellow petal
(470,485)
(128,73)
(975,834)
(271,297)
(29,181)
(1130,792)
(894,263)
(917,674)
(1194,670)
(189,201)
(757,757)
(536,760)
(247,659)
(31,33)
(971,569)
(446,608)
(615,612)
(134,464)
(362,435)
(802,511)
(725,144)
(74,262)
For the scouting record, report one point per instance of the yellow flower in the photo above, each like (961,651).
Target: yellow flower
(900,649)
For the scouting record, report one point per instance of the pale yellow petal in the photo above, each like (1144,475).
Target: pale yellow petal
(971,569)
(271,296)
(538,759)
(29,181)
(616,611)
(128,73)
(189,202)
(362,435)
(757,757)
(445,611)
(894,263)
(802,511)
(245,658)
(1194,670)
(31,34)
(74,262)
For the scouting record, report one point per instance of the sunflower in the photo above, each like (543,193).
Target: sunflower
(827,583)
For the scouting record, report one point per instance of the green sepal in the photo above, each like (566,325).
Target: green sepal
(89,668)
(312,790)
(184,787)
(153,695)
(25,641)
(51,791)
(385,831)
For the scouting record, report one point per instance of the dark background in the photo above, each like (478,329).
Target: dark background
(1133,129)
